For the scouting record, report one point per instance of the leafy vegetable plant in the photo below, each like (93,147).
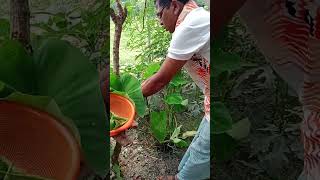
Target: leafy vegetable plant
(129,86)
(53,80)
(224,133)
(116,121)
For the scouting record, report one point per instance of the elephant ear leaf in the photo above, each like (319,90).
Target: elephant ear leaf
(129,86)
(16,67)
(67,76)
(132,87)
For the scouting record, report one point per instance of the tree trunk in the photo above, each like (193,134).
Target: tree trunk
(20,22)
(116,47)
(118,20)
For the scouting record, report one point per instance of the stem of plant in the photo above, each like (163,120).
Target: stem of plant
(116,153)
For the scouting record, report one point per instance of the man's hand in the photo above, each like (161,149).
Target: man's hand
(123,139)
(168,69)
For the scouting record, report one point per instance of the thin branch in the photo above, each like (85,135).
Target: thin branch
(144,13)
(125,14)
(120,8)
(113,16)
(42,12)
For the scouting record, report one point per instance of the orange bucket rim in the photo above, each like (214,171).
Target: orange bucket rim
(130,121)
(61,126)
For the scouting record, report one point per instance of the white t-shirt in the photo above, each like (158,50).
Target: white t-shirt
(191,36)
(191,41)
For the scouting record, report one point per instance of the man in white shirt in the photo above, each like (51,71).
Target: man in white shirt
(288,34)
(189,48)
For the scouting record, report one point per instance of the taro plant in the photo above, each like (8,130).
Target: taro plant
(4,30)
(129,86)
(224,133)
(164,125)
(53,80)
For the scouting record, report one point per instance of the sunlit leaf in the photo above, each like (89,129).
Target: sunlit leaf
(221,117)
(159,125)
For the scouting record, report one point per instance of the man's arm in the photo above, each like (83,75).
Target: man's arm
(168,69)
(223,11)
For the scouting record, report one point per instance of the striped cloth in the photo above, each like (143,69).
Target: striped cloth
(198,67)
(288,33)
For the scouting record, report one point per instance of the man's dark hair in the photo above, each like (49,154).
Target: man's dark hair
(166,3)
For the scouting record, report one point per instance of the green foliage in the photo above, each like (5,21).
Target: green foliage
(225,62)
(159,125)
(117,170)
(223,146)
(224,133)
(16,68)
(51,76)
(151,41)
(86,29)
(222,120)
(4,29)
(240,129)
(176,140)
(174,98)
(174,103)
(151,69)
(116,121)
(146,34)
(130,86)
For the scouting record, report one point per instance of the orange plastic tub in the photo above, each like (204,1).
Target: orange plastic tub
(123,107)
(37,142)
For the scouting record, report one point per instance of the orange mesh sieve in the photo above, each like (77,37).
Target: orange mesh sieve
(123,107)
(37,143)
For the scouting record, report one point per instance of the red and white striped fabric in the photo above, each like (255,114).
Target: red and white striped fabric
(288,33)
(198,67)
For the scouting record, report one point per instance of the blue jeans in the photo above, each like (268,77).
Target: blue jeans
(195,164)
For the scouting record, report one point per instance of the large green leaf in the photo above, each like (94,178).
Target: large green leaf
(5,90)
(16,67)
(174,98)
(60,71)
(115,83)
(220,40)
(130,86)
(5,29)
(224,61)
(240,129)
(151,69)
(223,147)
(67,76)
(222,120)
(178,80)
(159,125)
